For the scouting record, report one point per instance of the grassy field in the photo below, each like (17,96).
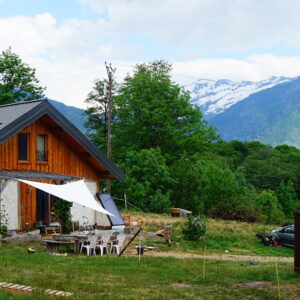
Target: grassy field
(230,236)
(158,277)
(150,278)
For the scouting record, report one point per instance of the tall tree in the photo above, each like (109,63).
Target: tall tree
(97,113)
(18,81)
(152,112)
(110,73)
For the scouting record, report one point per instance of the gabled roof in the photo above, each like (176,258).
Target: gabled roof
(15,117)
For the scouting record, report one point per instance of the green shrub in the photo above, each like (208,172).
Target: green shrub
(194,229)
(3,230)
(62,210)
(269,207)
(3,220)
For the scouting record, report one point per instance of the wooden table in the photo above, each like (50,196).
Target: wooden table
(53,246)
(79,239)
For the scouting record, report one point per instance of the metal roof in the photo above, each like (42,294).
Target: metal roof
(15,117)
(11,112)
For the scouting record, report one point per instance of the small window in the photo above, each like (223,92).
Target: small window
(289,230)
(41,154)
(23,146)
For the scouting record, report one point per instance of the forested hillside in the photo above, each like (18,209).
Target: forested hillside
(172,157)
(74,114)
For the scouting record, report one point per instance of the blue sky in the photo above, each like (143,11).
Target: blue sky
(68,41)
(61,9)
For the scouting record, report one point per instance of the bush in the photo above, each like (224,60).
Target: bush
(3,220)
(269,207)
(194,228)
(3,230)
(62,210)
(159,202)
(238,211)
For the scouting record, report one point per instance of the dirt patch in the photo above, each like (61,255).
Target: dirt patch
(15,292)
(241,250)
(286,291)
(289,287)
(226,257)
(254,284)
(184,285)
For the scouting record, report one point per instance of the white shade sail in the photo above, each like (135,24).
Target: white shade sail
(76,192)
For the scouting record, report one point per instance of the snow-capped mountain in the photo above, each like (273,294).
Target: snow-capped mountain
(270,116)
(214,97)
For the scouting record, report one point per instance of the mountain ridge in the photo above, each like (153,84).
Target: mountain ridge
(74,114)
(270,114)
(216,96)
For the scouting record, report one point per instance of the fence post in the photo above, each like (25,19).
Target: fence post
(297,243)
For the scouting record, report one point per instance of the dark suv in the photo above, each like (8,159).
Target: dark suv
(285,235)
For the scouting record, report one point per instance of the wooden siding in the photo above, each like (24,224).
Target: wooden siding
(28,206)
(65,156)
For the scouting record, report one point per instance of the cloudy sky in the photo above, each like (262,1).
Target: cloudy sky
(68,41)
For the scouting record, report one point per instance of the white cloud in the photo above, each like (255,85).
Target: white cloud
(254,68)
(70,83)
(69,55)
(208,24)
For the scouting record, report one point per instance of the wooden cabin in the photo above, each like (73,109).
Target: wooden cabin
(38,143)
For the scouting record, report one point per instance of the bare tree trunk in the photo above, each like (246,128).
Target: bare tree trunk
(110,73)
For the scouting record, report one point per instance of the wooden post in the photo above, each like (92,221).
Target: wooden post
(297,243)
(125,202)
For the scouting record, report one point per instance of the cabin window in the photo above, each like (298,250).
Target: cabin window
(23,146)
(41,148)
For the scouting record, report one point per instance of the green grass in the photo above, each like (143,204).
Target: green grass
(150,278)
(155,277)
(235,237)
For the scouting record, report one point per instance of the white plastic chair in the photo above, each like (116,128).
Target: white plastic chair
(93,240)
(118,244)
(104,241)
